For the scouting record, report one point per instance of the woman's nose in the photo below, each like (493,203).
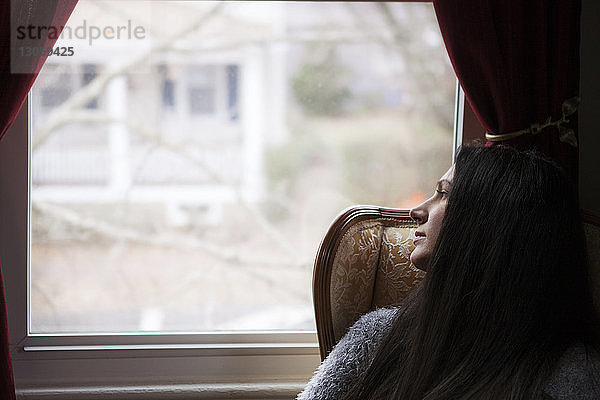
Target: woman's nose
(419,214)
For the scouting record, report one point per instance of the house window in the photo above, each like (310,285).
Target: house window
(212,173)
(58,89)
(232,91)
(89,72)
(168,87)
(202,82)
(55,96)
(202,99)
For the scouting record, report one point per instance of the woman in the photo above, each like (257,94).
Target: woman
(505,310)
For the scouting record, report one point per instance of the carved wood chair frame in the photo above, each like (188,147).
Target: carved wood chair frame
(326,255)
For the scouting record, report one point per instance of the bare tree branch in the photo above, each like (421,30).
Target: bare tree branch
(167,241)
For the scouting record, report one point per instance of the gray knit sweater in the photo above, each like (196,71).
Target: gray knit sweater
(571,379)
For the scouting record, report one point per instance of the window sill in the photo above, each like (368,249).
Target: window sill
(244,371)
(280,390)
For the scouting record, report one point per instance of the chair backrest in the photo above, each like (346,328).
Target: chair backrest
(362,264)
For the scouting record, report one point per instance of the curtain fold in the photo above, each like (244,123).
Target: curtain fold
(17,74)
(518,63)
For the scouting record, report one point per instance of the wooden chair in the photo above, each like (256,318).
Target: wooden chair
(363,263)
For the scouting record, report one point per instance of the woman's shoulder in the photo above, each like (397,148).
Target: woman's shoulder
(361,338)
(374,323)
(349,357)
(576,375)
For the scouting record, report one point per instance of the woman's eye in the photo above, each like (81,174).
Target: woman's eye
(442,192)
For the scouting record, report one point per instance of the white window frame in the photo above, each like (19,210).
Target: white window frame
(205,365)
(263,365)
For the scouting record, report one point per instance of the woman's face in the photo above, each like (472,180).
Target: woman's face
(429,216)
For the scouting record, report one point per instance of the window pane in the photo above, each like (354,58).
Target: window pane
(184,183)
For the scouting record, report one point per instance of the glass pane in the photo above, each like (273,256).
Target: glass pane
(183,179)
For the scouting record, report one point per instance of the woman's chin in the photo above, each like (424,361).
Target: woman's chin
(418,260)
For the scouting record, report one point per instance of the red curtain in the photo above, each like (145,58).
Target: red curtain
(17,74)
(518,62)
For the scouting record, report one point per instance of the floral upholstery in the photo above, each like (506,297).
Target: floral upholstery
(371,268)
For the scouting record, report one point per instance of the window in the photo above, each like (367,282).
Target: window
(175,213)
(168,87)
(232,91)
(89,73)
(202,82)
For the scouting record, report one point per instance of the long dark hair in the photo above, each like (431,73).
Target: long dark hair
(506,290)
